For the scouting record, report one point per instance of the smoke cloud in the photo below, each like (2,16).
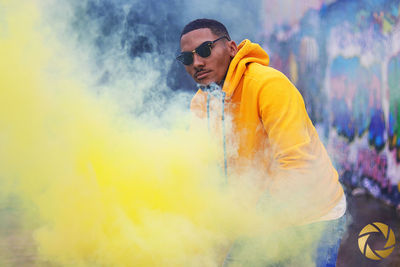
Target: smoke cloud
(98,166)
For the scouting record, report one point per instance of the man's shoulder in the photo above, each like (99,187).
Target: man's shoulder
(259,76)
(199,96)
(198,102)
(263,73)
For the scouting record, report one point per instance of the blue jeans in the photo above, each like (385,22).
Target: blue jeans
(328,245)
(321,250)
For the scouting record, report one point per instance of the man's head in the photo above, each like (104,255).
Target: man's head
(206,50)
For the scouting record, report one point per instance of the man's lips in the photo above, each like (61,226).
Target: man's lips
(201,74)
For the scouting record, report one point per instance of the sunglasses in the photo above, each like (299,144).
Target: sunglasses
(203,50)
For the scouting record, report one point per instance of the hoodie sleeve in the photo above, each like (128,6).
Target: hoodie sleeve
(286,122)
(303,177)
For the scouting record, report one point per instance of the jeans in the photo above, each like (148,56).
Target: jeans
(328,245)
(321,249)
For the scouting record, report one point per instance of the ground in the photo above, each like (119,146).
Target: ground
(362,210)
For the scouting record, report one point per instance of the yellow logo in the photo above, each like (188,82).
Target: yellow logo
(376,227)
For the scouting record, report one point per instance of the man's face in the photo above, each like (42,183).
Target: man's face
(214,67)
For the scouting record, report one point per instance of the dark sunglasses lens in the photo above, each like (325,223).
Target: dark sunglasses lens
(204,50)
(186,58)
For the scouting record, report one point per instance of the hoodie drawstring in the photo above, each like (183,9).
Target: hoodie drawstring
(208,112)
(223,130)
(224,137)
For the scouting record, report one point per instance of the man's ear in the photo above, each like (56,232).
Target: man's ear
(232,48)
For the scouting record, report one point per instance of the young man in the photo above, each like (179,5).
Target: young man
(264,128)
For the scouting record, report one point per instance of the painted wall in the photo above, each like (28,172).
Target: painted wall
(344,57)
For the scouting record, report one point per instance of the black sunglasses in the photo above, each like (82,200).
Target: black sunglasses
(203,50)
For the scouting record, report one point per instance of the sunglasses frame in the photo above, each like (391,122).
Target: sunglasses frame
(207,44)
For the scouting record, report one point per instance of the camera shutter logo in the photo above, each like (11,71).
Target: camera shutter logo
(376,227)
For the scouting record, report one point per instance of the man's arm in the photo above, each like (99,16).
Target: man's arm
(303,185)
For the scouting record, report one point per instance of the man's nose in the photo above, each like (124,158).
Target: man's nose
(198,61)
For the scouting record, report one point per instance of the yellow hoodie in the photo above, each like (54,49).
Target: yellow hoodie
(268,136)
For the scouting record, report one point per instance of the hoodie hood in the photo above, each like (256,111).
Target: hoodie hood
(248,52)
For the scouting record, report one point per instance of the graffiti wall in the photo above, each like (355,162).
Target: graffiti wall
(344,56)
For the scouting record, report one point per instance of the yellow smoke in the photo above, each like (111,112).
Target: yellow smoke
(102,189)
(93,186)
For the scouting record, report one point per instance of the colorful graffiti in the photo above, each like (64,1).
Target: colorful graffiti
(394,98)
(344,56)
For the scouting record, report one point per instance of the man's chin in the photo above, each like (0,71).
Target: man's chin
(205,82)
